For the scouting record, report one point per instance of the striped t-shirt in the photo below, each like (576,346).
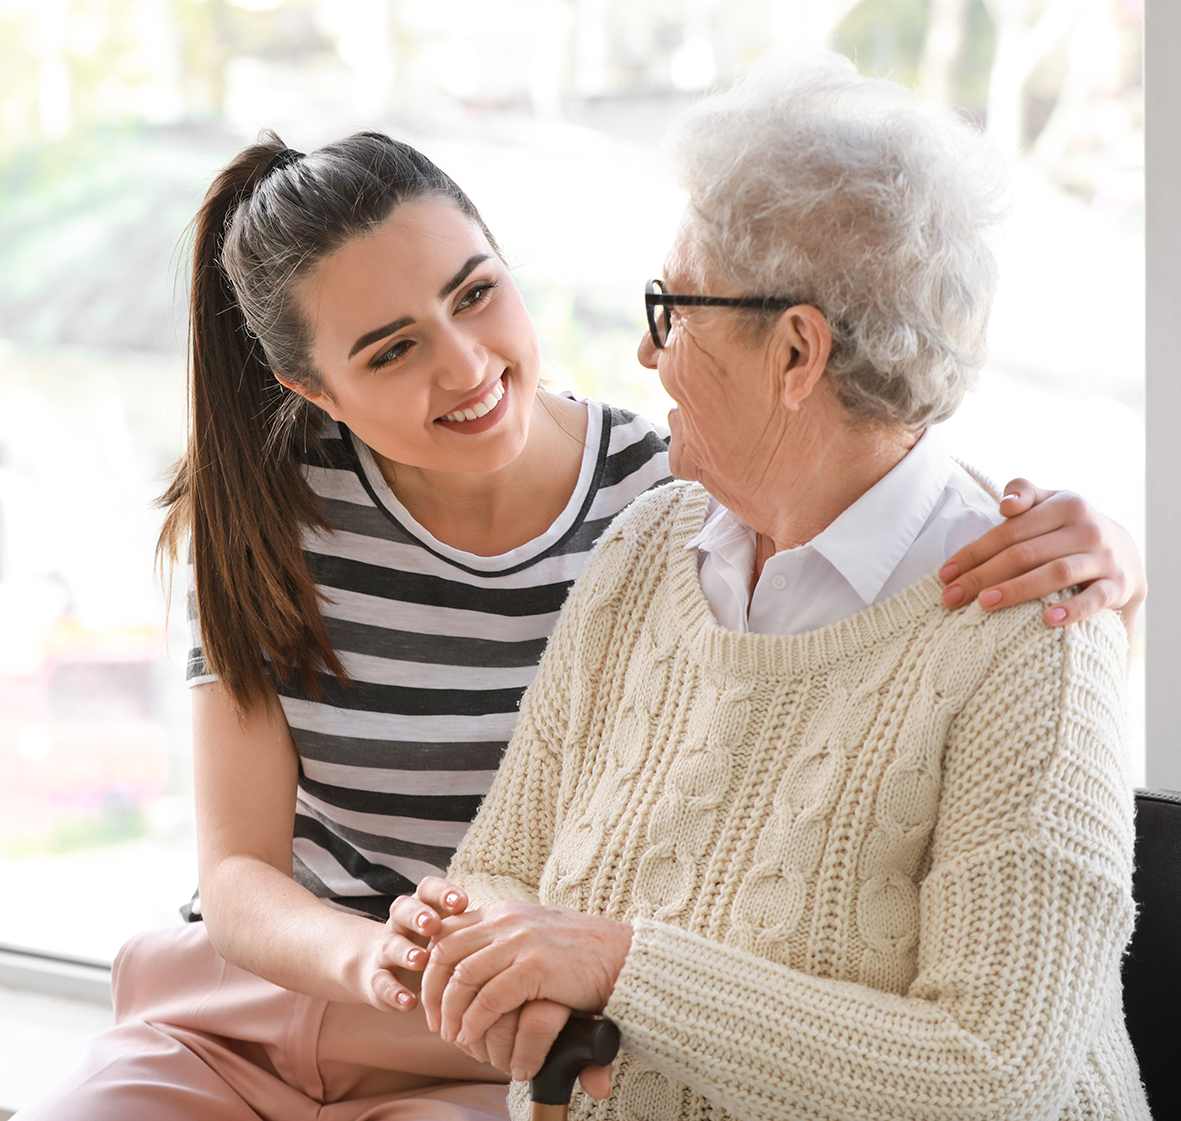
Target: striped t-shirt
(439,646)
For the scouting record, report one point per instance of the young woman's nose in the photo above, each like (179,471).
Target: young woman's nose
(462,362)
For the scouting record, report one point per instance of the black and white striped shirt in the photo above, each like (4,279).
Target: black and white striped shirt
(439,646)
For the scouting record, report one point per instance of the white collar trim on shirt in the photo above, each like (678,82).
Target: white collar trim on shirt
(719,529)
(909,492)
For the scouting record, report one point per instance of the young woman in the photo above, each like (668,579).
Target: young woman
(385,511)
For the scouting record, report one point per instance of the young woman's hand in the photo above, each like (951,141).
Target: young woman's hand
(394,973)
(1050,541)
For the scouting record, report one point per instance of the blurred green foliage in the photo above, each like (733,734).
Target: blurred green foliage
(886,38)
(90,227)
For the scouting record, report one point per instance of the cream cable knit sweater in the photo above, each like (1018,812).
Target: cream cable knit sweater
(876,871)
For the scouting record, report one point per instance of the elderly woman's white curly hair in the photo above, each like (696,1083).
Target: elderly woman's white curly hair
(852,194)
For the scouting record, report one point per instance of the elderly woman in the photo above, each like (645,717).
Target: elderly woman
(819,846)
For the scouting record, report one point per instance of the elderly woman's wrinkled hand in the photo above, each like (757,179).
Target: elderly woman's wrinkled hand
(486,964)
(1049,540)
(518,1042)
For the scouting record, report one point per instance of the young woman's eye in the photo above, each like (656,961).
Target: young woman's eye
(399,350)
(476,294)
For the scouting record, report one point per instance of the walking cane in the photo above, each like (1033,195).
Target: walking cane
(580,1043)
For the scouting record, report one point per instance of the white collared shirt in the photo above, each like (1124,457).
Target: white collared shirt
(904,527)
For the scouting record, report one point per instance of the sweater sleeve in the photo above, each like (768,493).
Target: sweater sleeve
(1024,912)
(503,854)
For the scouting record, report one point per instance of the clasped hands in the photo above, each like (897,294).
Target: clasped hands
(501,982)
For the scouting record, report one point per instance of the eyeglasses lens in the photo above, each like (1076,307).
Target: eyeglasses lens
(657,315)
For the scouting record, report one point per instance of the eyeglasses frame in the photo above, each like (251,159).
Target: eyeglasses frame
(655,296)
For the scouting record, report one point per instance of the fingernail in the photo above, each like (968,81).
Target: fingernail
(1010,494)
(451,898)
(949,572)
(520,1074)
(423,919)
(990,598)
(404,999)
(1057,614)
(953,597)
(415,956)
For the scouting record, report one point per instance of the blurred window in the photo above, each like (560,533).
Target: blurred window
(116,115)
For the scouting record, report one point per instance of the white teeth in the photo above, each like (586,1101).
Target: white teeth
(480,408)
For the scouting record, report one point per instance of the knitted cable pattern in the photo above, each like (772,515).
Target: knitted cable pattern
(877,871)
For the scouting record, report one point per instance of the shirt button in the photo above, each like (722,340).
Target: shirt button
(778,583)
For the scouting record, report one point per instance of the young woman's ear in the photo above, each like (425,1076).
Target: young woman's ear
(801,342)
(315,396)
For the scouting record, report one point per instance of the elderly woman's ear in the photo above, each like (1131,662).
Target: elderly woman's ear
(798,348)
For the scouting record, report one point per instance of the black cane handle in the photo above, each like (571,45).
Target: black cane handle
(579,1044)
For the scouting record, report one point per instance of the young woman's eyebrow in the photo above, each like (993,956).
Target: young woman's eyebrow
(463,274)
(380,333)
(465,271)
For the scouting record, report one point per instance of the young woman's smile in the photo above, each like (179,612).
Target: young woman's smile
(423,344)
(480,413)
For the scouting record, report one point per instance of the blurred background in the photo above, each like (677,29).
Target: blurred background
(115,115)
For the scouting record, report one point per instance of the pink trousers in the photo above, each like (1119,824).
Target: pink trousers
(197,1039)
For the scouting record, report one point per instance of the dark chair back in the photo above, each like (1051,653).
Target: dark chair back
(1152,967)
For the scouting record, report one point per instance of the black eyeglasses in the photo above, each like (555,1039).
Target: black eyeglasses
(655,297)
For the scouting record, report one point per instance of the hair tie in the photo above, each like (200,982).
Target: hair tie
(279,160)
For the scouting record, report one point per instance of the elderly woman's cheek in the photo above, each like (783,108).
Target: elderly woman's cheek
(680,460)
(669,371)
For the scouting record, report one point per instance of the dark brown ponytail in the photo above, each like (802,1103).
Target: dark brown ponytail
(239,492)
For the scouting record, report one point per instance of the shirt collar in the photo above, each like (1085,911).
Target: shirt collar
(720,528)
(890,514)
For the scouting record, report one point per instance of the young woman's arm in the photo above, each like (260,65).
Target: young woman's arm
(258,917)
